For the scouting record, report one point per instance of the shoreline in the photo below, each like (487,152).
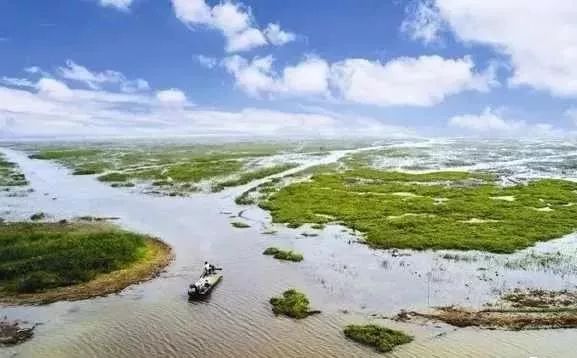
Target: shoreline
(158,257)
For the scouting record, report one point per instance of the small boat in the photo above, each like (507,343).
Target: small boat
(204,285)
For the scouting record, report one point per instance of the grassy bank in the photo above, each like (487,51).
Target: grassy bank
(46,262)
(293,304)
(381,338)
(442,210)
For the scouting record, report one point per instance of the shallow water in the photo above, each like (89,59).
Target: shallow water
(347,281)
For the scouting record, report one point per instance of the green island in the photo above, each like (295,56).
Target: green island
(283,254)
(438,210)
(10,175)
(292,304)
(45,262)
(381,338)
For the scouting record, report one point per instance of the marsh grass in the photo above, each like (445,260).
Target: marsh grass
(367,200)
(293,304)
(381,338)
(38,256)
(286,255)
(10,175)
(250,176)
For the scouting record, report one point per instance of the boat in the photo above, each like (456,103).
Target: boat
(202,287)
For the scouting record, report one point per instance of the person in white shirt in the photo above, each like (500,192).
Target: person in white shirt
(207,269)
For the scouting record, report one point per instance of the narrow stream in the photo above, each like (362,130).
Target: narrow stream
(347,281)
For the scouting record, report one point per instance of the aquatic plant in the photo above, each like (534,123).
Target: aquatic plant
(381,338)
(113,177)
(400,210)
(39,256)
(37,216)
(283,254)
(240,224)
(250,176)
(10,175)
(293,304)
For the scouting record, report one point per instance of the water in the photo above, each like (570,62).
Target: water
(347,281)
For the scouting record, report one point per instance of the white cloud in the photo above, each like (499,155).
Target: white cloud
(421,81)
(94,80)
(235,21)
(16,82)
(491,123)
(206,61)
(118,4)
(539,37)
(277,36)
(257,77)
(172,96)
(423,22)
(53,107)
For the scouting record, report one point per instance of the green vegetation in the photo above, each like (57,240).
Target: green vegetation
(39,256)
(37,216)
(283,255)
(113,177)
(247,177)
(292,304)
(240,224)
(440,210)
(10,175)
(381,338)
(173,169)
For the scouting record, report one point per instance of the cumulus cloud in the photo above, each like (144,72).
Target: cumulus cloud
(234,21)
(51,106)
(539,37)
(491,123)
(277,36)
(257,77)
(123,5)
(421,81)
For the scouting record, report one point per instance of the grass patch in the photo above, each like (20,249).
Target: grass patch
(293,304)
(250,176)
(240,224)
(283,254)
(10,175)
(400,210)
(381,338)
(113,177)
(44,261)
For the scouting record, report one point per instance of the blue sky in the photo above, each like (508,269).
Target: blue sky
(311,68)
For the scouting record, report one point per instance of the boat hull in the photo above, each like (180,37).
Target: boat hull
(204,286)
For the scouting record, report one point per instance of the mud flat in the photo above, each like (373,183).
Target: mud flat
(518,310)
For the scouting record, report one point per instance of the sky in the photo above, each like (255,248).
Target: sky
(316,68)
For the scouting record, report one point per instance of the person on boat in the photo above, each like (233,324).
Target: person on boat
(207,269)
